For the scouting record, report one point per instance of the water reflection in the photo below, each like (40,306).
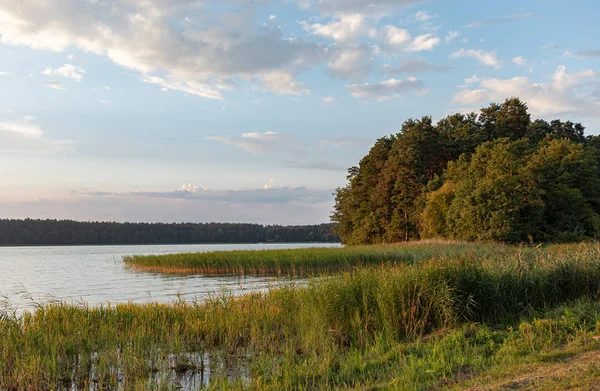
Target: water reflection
(95,275)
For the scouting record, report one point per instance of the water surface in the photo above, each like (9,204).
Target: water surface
(96,274)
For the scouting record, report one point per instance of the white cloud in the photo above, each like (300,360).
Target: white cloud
(190,87)
(387,89)
(452,35)
(189,188)
(54,84)
(5,73)
(348,27)
(283,83)
(71,57)
(67,70)
(24,128)
(423,42)
(272,17)
(564,94)
(350,62)
(105,102)
(107,87)
(269,185)
(519,60)
(144,36)
(424,16)
(25,136)
(328,99)
(485,58)
(471,97)
(471,80)
(394,37)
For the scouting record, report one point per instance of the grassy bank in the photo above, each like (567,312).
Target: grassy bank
(308,261)
(410,326)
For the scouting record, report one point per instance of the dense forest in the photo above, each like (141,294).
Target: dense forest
(68,232)
(495,175)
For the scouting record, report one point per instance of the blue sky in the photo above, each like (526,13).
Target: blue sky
(251,110)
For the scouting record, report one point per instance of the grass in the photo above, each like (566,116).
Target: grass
(442,316)
(307,261)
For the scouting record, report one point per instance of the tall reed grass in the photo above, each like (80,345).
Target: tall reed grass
(300,329)
(307,261)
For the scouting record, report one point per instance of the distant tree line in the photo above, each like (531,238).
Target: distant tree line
(69,232)
(495,175)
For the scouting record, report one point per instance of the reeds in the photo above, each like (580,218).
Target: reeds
(357,328)
(304,262)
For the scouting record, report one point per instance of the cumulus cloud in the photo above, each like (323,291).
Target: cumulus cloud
(425,19)
(453,34)
(67,70)
(501,19)
(483,57)
(387,89)
(146,37)
(269,184)
(471,97)
(423,42)
(189,188)
(394,37)
(350,62)
(25,136)
(283,83)
(416,65)
(519,60)
(565,94)
(346,27)
(424,16)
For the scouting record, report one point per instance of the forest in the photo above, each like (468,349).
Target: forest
(496,175)
(69,232)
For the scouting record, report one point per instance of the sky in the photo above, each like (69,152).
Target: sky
(252,110)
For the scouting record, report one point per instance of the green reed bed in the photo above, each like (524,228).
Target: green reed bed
(307,261)
(404,324)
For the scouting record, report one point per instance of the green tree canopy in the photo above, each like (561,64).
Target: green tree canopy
(490,176)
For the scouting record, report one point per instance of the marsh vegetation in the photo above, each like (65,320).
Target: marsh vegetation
(439,314)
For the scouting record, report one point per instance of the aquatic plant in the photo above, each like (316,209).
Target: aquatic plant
(416,323)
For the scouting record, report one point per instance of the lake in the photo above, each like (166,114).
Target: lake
(96,275)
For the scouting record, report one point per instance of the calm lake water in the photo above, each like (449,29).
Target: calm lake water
(96,274)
